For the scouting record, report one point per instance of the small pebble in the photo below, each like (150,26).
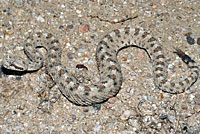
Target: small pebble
(185,128)
(74,117)
(83,28)
(14,112)
(190,40)
(117,114)
(78,11)
(40,19)
(169,38)
(125,115)
(69,27)
(163,117)
(18,78)
(124,58)
(61,27)
(70,55)
(81,66)
(197,108)
(97,106)
(198,41)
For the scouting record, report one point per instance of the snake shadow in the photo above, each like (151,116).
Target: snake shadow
(13,72)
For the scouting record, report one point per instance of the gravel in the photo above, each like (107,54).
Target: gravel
(139,107)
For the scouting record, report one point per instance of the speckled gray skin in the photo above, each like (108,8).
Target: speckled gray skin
(108,65)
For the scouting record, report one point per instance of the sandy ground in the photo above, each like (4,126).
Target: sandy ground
(79,25)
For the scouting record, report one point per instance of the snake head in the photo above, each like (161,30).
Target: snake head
(16,63)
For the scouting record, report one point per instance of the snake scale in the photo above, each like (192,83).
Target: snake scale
(109,68)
